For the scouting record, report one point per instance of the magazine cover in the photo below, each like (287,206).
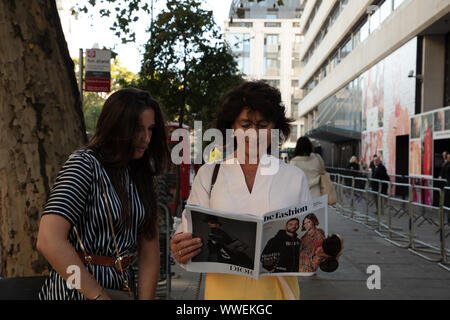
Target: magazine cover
(281,242)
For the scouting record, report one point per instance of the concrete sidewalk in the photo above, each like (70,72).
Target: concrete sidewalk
(404,275)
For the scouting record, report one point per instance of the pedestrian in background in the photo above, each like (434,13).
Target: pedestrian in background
(379,172)
(442,170)
(372,163)
(353,164)
(104,204)
(311,163)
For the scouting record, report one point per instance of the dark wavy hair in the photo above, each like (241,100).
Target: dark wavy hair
(113,143)
(257,96)
(303,147)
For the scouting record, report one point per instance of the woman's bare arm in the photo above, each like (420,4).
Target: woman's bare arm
(148,267)
(53,244)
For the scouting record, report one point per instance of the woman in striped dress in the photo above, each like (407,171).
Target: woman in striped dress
(128,149)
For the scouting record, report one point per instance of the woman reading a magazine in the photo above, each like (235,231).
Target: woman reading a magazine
(243,186)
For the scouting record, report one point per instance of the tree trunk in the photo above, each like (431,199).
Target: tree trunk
(41,123)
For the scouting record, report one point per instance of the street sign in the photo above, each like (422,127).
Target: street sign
(98,70)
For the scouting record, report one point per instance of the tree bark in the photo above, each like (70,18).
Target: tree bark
(41,123)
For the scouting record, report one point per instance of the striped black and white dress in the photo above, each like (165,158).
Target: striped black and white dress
(77,196)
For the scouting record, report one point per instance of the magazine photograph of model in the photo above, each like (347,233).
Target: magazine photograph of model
(225,240)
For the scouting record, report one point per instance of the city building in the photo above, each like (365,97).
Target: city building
(266,40)
(369,68)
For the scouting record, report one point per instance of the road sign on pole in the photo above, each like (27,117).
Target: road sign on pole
(98,70)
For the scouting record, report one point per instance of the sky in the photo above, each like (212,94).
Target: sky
(84,33)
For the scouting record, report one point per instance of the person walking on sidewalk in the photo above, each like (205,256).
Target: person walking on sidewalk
(109,183)
(245,187)
(310,163)
(379,172)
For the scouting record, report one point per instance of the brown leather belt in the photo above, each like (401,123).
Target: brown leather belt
(107,261)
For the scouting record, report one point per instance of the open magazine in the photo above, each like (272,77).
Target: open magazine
(281,242)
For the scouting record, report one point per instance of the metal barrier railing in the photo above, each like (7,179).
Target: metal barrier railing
(444,210)
(421,228)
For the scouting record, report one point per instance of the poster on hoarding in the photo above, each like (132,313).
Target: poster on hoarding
(442,124)
(421,146)
(388,101)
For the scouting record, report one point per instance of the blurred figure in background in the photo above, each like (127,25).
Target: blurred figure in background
(353,164)
(311,163)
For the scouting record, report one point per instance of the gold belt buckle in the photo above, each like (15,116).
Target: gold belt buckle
(118,263)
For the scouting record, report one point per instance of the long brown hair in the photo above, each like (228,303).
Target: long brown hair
(114,142)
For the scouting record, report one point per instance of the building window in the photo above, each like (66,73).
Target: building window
(364,32)
(241,24)
(385,10)
(397,3)
(296,44)
(271,67)
(273,83)
(294,135)
(272,24)
(356,38)
(243,64)
(294,107)
(271,39)
(346,48)
(271,55)
(374,20)
(296,66)
(344,4)
(239,44)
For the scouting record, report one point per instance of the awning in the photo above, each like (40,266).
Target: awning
(333,134)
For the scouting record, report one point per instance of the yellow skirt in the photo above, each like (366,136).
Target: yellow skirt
(233,287)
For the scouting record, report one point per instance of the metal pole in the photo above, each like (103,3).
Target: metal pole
(367,200)
(168,268)
(80,77)
(353,196)
(389,209)
(411,216)
(442,227)
(379,205)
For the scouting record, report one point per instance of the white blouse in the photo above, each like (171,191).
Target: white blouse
(283,187)
(272,189)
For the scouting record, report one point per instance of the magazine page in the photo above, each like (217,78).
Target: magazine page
(291,238)
(231,242)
